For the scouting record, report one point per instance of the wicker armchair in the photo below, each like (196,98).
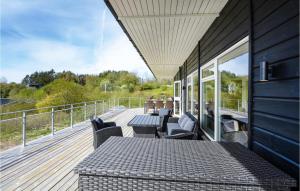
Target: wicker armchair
(159,104)
(169,105)
(150,105)
(103,130)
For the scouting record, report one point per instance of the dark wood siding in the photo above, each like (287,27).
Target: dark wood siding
(192,61)
(275,104)
(273,27)
(231,26)
(177,76)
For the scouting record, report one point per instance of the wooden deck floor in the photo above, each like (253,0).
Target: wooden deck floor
(47,164)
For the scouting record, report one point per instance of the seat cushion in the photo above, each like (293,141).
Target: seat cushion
(162,112)
(181,119)
(171,126)
(100,123)
(189,125)
(184,121)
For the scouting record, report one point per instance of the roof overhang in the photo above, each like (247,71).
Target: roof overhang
(165,32)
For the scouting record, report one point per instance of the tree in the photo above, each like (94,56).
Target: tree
(61,92)
(39,78)
(67,76)
(3,80)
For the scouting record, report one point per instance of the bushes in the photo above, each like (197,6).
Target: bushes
(61,92)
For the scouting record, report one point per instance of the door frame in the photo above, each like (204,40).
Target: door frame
(216,77)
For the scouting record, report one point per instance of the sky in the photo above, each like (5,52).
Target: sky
(80,36)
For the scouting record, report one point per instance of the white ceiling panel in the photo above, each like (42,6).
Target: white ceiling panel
(166,31)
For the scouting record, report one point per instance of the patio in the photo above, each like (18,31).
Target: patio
(48,162)
(258,36)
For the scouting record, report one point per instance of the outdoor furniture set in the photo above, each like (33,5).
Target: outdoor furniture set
(155,105)
(124,163)
(140,163)
(155,125)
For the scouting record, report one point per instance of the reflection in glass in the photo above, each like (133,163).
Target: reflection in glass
(189,98)
(195,95)
(208,107)
(177,107)
(209,71)
(177,90)
(233,72)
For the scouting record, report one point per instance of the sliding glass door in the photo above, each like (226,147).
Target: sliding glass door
(224,95)
(208,101)
(192,105)
(233,96)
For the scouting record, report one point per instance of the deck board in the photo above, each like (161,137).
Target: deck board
(47,163)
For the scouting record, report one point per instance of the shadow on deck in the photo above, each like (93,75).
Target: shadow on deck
(47,163)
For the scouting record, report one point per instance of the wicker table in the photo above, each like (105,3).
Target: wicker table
(145,125)
(163,164)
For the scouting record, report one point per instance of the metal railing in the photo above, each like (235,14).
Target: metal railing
(20,127)
(237,105)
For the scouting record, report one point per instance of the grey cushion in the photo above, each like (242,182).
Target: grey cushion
(162,112)
(189,125)
(171,126)
(184,121)
(181,119)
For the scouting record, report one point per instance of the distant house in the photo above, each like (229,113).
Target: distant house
(34,85)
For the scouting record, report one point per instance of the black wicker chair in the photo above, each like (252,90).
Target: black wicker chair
(103,130)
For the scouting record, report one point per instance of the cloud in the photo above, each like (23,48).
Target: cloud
(80,36)
(41,55)
(121,55)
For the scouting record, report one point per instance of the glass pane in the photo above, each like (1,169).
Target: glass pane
(189,80)
(177,89)
(177,107)
(209,71)
(234,98)
(195,94)
(189,98)
(208,107)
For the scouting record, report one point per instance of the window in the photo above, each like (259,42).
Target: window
(195,94)
(176,89)
(208,105)
(224,95)
(209,71)
(189,94)
(233,96)
(177,98)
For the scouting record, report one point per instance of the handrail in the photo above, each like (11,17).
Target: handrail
(59,117)
(49,107)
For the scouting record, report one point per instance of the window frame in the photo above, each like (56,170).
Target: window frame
(217,79)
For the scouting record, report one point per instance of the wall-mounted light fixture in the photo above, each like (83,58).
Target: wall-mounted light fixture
(183,88)
(263,71)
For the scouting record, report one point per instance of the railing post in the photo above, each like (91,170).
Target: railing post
(71,116)
(129,104)
(102,106)
(118,102)
(238,105)
(24,128)
(95,108)
(52,120)
(85,110)
(114,102)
